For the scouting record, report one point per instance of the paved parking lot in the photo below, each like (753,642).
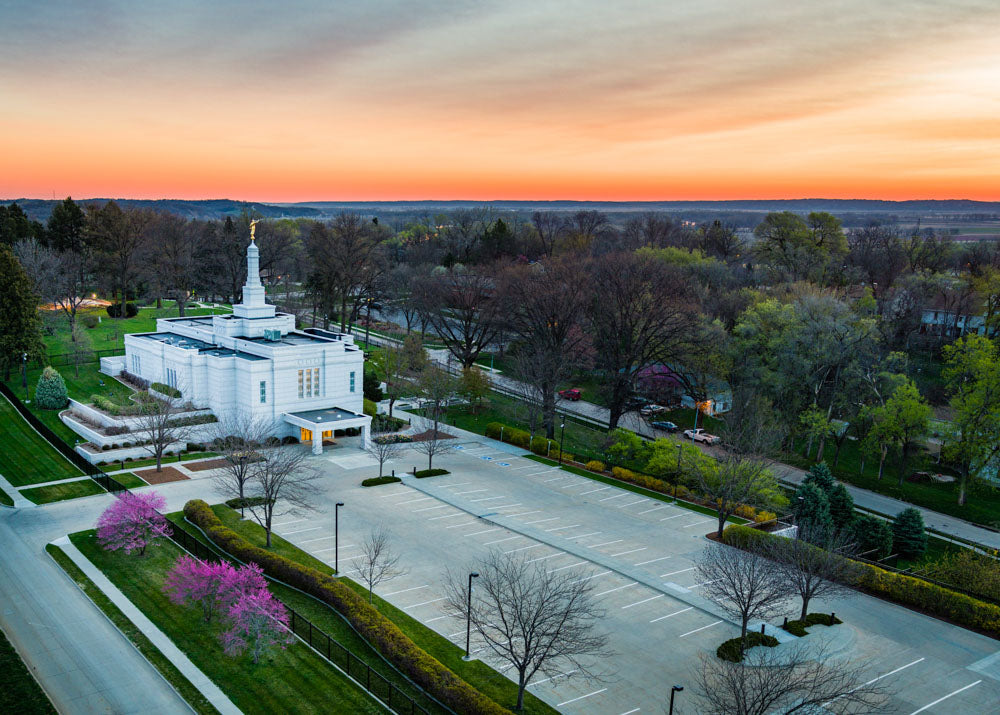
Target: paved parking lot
(640,554)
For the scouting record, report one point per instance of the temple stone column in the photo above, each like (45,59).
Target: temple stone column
(365,442)
(317,441)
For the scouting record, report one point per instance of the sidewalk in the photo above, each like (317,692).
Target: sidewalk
(19,501)
(190,671)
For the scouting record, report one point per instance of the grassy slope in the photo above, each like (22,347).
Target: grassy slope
(26,458)
(295,679)
(60,492)
(5,498)
(19,691)
(159,661)
(476,673)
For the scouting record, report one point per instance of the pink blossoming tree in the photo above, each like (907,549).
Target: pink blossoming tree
(258,622)
(214,585)
(132,522)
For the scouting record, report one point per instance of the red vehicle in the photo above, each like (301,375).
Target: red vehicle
(573,394)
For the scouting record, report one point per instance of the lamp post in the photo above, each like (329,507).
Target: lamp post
(680,446)
(336,536)
(562,438)
(468,615)
(675,689)
(24,375)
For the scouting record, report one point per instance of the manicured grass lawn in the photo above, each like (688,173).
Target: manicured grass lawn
(982,505)
(291,680)
(26,458)
(60,492)
(5,498)
(19,691)
(127,479)
(170,459)
(476,673)
(145,646)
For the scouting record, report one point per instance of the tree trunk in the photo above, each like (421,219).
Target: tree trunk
(520,692)
(722,522)
(392,401)
(902,464)
(159,460)
(881,462)
(805,608)
(819,449)
(962,480)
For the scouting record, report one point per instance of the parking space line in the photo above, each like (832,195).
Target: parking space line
(471,491)
(605,543)
(405,590)
(447,516)
(596,692)
(956,692)
(645,600)
(886,675)
(507,506)
(618,588)
(550,556)
(587,578)
(557,675)
(527,466)
(675,516)
(302,531)
(631,503)
(477,533)
(523,548)
(413,501)
(700,629)
(459,526)
(320,538)
(705,583)
(500,541)
(539,521)
(653,561)
(578,563)
(582,536)
(594,490)
(675,613)
(629,552)
(459,484)
(633,710)
(655,508)
(524,513)
(437,618)
(616,496)
(560,528)
(473,501)
(431,508)
(672,573)
(703,521)
(424,603)
(286,523)
(395,494)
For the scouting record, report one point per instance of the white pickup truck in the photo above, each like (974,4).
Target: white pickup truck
(700,435)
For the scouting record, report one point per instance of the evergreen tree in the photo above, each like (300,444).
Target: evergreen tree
(820,475)
(812,513)
(371,386)
(65,229)
(908,536)
(841,506)
(51,390)
(20,326)
(872,537)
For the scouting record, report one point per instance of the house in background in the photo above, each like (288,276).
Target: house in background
(666,385)
(948,320)
(254,363)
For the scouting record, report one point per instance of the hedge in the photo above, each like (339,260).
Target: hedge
(519,438)
(905,590)
(244,502)
(798,628)
(378,630)
(423,473)
(732,651)
(165,389)
(375,481)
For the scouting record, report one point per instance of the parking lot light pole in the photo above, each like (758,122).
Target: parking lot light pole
(562,438)
(24,375)
(680,446)
(675,689)
(336,537)
(468,615)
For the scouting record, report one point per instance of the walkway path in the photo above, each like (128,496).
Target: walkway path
(12,491)
(190,671)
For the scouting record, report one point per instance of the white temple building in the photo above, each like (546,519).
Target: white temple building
(255,363)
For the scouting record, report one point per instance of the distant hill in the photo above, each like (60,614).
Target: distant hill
(220,208)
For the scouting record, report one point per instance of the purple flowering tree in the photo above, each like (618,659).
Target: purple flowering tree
(214,585)
(132,522)
(258,622)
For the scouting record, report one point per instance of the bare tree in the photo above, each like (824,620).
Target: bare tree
(384,448)
(81,348)
(437,386)
(536,620)
(550,227)
(378,562)
(788,679)
(745,584)
(238,439)
(118,236)
(810,571)
(57,275)
(463,309)
(280,477)
(157,426)
(433,444)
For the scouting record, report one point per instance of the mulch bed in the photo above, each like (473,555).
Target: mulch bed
(208,464)
(168,474)
(429,434)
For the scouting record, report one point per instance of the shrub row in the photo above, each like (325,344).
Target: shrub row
(378,630)
(798,628)
(905,590)
(522,439)
(422,473)
(393,439)
(165,389)
(113,408)
(193,420)
(115,310)
(375,481)
(385,423)
(133,380)
(244,502)
(732,651)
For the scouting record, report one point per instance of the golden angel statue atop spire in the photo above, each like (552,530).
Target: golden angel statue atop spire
(253,228)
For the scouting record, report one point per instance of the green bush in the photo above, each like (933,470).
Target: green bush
(385,423)
(841,506)
(193,420)
(731,650)
(50,392)
(370,408)
(423,473)
(371,386)
(798,628)
(899,588)
(113,408)
(871,534)
(245,502)
(511,435)
(89,320)
(594,466)
(540,446)
(376,481)
(165,389)
(378,630)
(115,310)
(393,439)
(822,477)
(909,539)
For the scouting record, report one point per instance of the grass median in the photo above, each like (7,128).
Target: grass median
(19,691)
(292,680)
(26,458)
(60,492)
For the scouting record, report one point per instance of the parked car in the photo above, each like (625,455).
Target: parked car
(635,403)
(700,435)
(573,394)
(665,425)
(650,410)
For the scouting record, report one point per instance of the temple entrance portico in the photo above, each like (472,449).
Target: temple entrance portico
(315,425)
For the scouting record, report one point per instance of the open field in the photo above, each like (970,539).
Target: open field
(26,458)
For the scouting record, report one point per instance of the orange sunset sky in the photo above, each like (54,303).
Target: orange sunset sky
(519,99)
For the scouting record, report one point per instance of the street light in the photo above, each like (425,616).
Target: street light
(673,690)
(680,446)
(24,375)
(562,439)
(468,615)
(336,537)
